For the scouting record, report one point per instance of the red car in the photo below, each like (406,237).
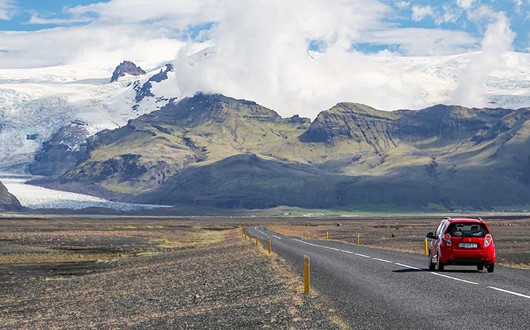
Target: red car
(462,242)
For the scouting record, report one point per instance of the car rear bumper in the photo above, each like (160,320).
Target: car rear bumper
(459,257)
(468,261)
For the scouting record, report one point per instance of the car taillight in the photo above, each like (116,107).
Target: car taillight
(487,240)
(447,239)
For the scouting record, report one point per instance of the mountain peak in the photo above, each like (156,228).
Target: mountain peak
(347,121)
(216,108)
(126,67)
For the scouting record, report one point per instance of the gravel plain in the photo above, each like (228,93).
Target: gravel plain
(144,275)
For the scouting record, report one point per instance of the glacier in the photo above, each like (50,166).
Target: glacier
(35,197)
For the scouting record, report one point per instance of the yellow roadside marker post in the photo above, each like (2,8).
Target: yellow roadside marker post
(327,236)
(426,247)
(256,240)
(306,274)
(358,239)
(270,244)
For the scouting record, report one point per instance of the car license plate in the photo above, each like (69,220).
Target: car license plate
(468,245)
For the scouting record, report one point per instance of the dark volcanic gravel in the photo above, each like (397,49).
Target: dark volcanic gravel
(229,284)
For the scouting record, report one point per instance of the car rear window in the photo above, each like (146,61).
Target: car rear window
(467,230)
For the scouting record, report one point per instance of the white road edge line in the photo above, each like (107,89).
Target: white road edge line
(406,266)
(454,278)
(383,260)
(276,237)
(346,251)
(438,274)
(362,255)
(510,292)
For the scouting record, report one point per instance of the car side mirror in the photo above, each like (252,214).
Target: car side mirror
(430,235)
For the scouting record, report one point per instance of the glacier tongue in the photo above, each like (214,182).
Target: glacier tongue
(35,197)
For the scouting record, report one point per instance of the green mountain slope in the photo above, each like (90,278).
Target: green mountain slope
(217,151)
(196,131)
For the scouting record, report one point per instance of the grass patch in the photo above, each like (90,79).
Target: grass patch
(165,243)
(515,265)
(108,261)
(137,227)
(55,279)
(148,254)
(341,324)
(47,258)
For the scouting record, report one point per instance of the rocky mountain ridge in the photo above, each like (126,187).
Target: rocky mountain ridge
(216,151)
(36,103)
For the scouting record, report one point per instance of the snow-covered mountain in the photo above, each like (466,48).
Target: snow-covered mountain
(37,103)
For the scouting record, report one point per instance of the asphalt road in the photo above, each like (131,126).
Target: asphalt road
(381,289)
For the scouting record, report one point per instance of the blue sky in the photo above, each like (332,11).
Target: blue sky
(517,12)
(258,49)
(402,16)
(73,31)
(24,9)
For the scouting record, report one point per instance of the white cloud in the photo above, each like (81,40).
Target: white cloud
(7,9)
(451,14)
(466,4)
(402,4)
(258,48)
(445,14)
(37,19)
(419,13)
(180,13)
(482,14)
(497,40)
(422,42)
(260,54)
(518,5)
(102,45)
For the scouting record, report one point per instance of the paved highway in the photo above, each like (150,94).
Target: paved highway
(381,289)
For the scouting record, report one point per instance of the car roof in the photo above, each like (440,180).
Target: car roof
(466,220)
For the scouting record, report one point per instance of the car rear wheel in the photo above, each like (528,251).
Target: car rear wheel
(491,268)
(432,265)
(480,267)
